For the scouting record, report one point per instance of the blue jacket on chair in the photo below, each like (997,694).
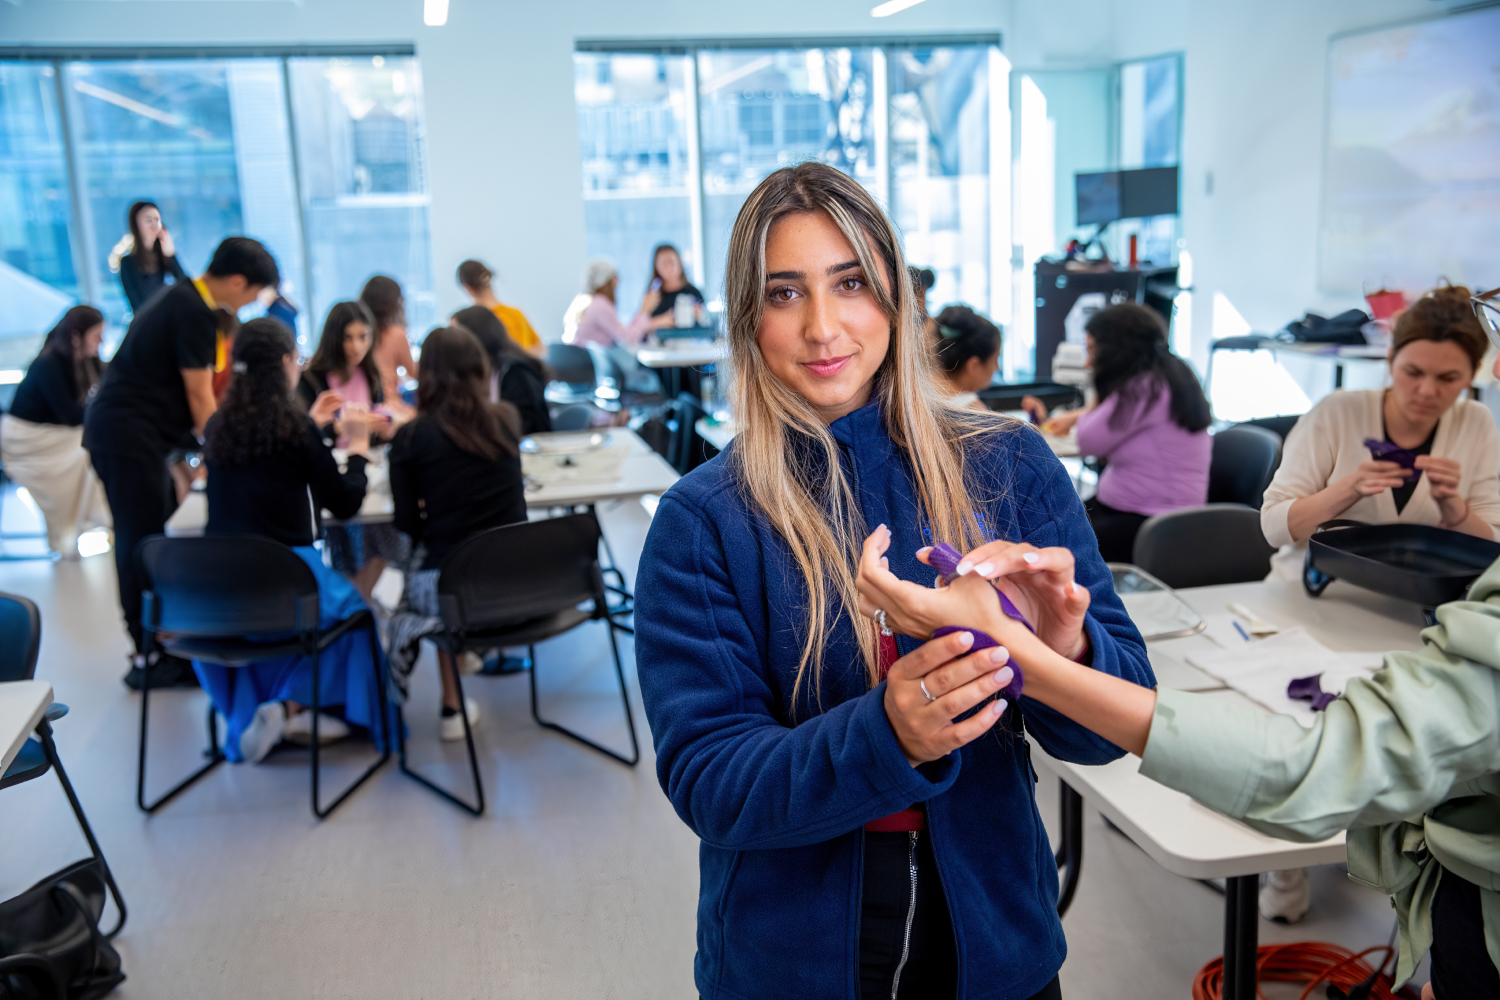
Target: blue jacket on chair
(779,798)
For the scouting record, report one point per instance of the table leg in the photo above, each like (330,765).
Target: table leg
(1070,857)
(1241,936)
(1338,374)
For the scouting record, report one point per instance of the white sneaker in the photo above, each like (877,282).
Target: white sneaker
(451,727)
(1286,895)
(470,663)
(264,732)
(330,729)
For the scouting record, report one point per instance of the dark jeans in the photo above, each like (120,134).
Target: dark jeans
(1115,529)
(1461,966)
(141,498)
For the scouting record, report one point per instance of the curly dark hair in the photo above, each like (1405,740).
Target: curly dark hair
(259,415)
(1130,341)
(330,357)
(453,390)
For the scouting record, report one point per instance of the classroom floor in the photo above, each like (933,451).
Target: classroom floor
(579,881)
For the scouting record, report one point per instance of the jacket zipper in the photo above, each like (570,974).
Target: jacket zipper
(911,913)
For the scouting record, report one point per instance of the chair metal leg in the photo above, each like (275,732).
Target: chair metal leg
(614,579)
(322,813)
(477,808)
(1070,856)
(635,748)
(215,755)
(1241,937)
(44,730)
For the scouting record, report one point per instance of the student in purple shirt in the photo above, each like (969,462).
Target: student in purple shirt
(1150,423)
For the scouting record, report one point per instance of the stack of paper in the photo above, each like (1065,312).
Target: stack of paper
(1261,670)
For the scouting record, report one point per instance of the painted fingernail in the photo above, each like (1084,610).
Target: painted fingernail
(985,569)
(1003,676)
(963,568)
(885,563)
(1031,557)
(1077,590)
(998,706)
(999,655)
(966,638)
(923,551)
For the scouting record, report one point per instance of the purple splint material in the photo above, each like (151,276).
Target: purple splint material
(945,559)
(1308,689)
(1384,451)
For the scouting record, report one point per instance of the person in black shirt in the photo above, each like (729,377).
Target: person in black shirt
(515,376)
(156,394)
(670,280)
(41,438)
(269,472)
(455,471)
(150,259)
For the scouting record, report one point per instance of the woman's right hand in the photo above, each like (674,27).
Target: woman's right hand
(164,241)
(925,726)
(1376,477)
(325,407)
(651,301)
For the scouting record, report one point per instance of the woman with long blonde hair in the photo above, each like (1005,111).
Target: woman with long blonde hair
(859,790)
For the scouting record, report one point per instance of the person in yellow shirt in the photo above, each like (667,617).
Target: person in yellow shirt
(475,278)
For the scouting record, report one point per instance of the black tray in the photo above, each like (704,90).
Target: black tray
(1415,562)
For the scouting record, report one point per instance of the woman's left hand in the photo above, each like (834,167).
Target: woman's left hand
(325,407)
(1040,584)
(1444,475)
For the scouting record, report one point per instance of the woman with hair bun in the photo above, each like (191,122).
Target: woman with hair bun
(967,348)
(265,457)
(864,801)
(41,438)
(382,296)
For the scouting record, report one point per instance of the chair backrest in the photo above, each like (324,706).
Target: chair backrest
(519,572)
(573,418)
(20,638)
(1244,459)
(609,380)
(1204,546)
(570,364)
(1280,426)
(226,585)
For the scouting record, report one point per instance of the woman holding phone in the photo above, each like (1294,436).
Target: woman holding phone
(147,256)
(834,798)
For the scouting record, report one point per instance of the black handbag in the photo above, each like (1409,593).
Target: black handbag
(50,945)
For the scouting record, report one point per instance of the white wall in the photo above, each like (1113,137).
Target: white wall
(501,130)
(503,147)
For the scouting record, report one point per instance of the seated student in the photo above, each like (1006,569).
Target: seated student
(476,280)
(264,458)
(382,296)
(41,438)
(1327,472)
(669,277)
(455,471)
(345,366)
(1151,423)
(967,348)
(515,376)
(1408,761)
(599,323)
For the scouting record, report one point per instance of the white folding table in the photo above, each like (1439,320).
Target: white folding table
(22,705)
(1192,840)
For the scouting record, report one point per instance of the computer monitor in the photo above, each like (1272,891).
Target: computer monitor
(1148,192)
(1098,197)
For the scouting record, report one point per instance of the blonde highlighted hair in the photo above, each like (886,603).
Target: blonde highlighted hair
(799,486)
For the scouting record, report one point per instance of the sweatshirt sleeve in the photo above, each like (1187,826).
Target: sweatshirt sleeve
(1483,493)
(1391,747)
(339,493)
(1307,462)
(406,486)
(738,776)
(1095,436)
(1115,644)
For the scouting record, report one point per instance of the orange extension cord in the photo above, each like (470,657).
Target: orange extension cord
(1310,962)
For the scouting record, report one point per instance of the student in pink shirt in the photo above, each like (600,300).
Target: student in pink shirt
(1150,423)
(599,323)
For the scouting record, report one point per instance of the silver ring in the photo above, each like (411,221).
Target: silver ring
(879,617)
(923,683)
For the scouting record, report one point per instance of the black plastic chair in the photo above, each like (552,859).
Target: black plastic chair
(1280,426)
(1244,459)
(617,386)
(233,601)
(519,585)
(573,375)
(1204,546)
(20,641)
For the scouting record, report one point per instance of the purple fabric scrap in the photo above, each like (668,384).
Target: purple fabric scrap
(945,559)
(1308,689)
(1384,451)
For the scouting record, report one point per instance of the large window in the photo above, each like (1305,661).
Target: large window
(673,140)
(318,157)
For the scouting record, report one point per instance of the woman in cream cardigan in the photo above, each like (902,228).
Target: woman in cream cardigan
(1328,473)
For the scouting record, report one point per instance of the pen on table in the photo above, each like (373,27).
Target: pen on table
(1243,634)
